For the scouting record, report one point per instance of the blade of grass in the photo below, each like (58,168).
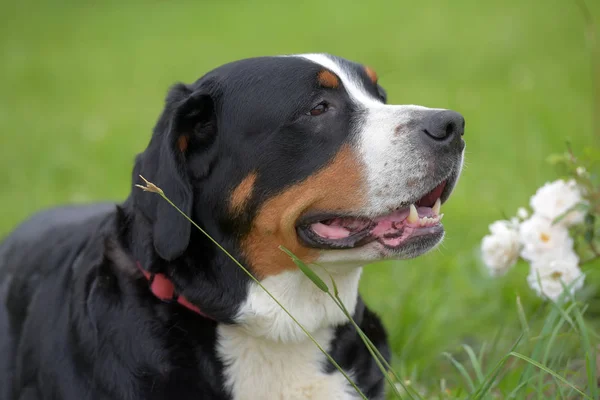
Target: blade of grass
(590,355)
(549,371)
(463,371)
(547,328)
(554,335)
(482,353)
(560,389)
(522,317)
(562,316)
(520,386)
(547,361)
(310,274)
(491,376)
(474,363)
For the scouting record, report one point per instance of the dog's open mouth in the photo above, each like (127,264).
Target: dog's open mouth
(422,218)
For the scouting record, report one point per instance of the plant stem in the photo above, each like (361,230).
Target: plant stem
(311,337)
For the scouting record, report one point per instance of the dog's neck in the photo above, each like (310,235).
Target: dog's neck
(261,316)
(258,314)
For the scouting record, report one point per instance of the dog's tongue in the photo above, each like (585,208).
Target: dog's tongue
(339,228)
(384,228)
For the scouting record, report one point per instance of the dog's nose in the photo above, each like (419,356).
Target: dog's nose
(443,125)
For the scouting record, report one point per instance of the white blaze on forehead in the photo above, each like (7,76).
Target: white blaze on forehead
(393,160)
(353,84)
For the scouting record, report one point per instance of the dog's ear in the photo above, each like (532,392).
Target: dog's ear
(187,121)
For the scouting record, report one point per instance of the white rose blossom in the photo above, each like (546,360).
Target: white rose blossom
(540,237)
(547,246)
(547,276)
(500,249)
(554,199)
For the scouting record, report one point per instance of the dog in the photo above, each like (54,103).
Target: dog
(131,301)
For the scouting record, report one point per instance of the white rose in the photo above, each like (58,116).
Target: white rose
(554,199)
(547,276)
(500,250)
(539,238)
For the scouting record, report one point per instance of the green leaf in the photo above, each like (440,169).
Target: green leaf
(310,274)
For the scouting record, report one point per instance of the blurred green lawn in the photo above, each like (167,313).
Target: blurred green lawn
(82,84)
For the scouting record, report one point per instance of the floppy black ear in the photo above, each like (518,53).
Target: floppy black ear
(188,118)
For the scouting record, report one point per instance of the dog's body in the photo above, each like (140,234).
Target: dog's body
(299,151)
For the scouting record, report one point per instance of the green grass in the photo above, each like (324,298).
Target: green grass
(82,83)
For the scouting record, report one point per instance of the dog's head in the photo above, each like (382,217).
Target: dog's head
(300,151)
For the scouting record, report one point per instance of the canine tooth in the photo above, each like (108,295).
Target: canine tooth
(414,215)
(437,206)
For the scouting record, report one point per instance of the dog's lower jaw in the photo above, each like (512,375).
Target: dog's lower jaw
(261,316)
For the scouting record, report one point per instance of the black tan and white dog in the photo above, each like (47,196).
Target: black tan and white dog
(130,301)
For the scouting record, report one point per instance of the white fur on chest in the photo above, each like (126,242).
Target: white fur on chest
(267,356)
(260,369)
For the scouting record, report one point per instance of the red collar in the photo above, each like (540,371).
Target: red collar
(164,289)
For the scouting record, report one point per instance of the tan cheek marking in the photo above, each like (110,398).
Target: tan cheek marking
(371,74)
(337,187)
(182,143)
(241,194)
(328,79)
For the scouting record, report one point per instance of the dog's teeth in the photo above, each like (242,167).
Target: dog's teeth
(437,206)
(413,217)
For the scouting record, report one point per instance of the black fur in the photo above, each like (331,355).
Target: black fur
(77,320)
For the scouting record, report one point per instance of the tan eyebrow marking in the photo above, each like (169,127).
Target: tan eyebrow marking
(371,74)
(328,79)
(241,194)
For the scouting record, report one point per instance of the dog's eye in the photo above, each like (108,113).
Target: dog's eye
(321,108)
